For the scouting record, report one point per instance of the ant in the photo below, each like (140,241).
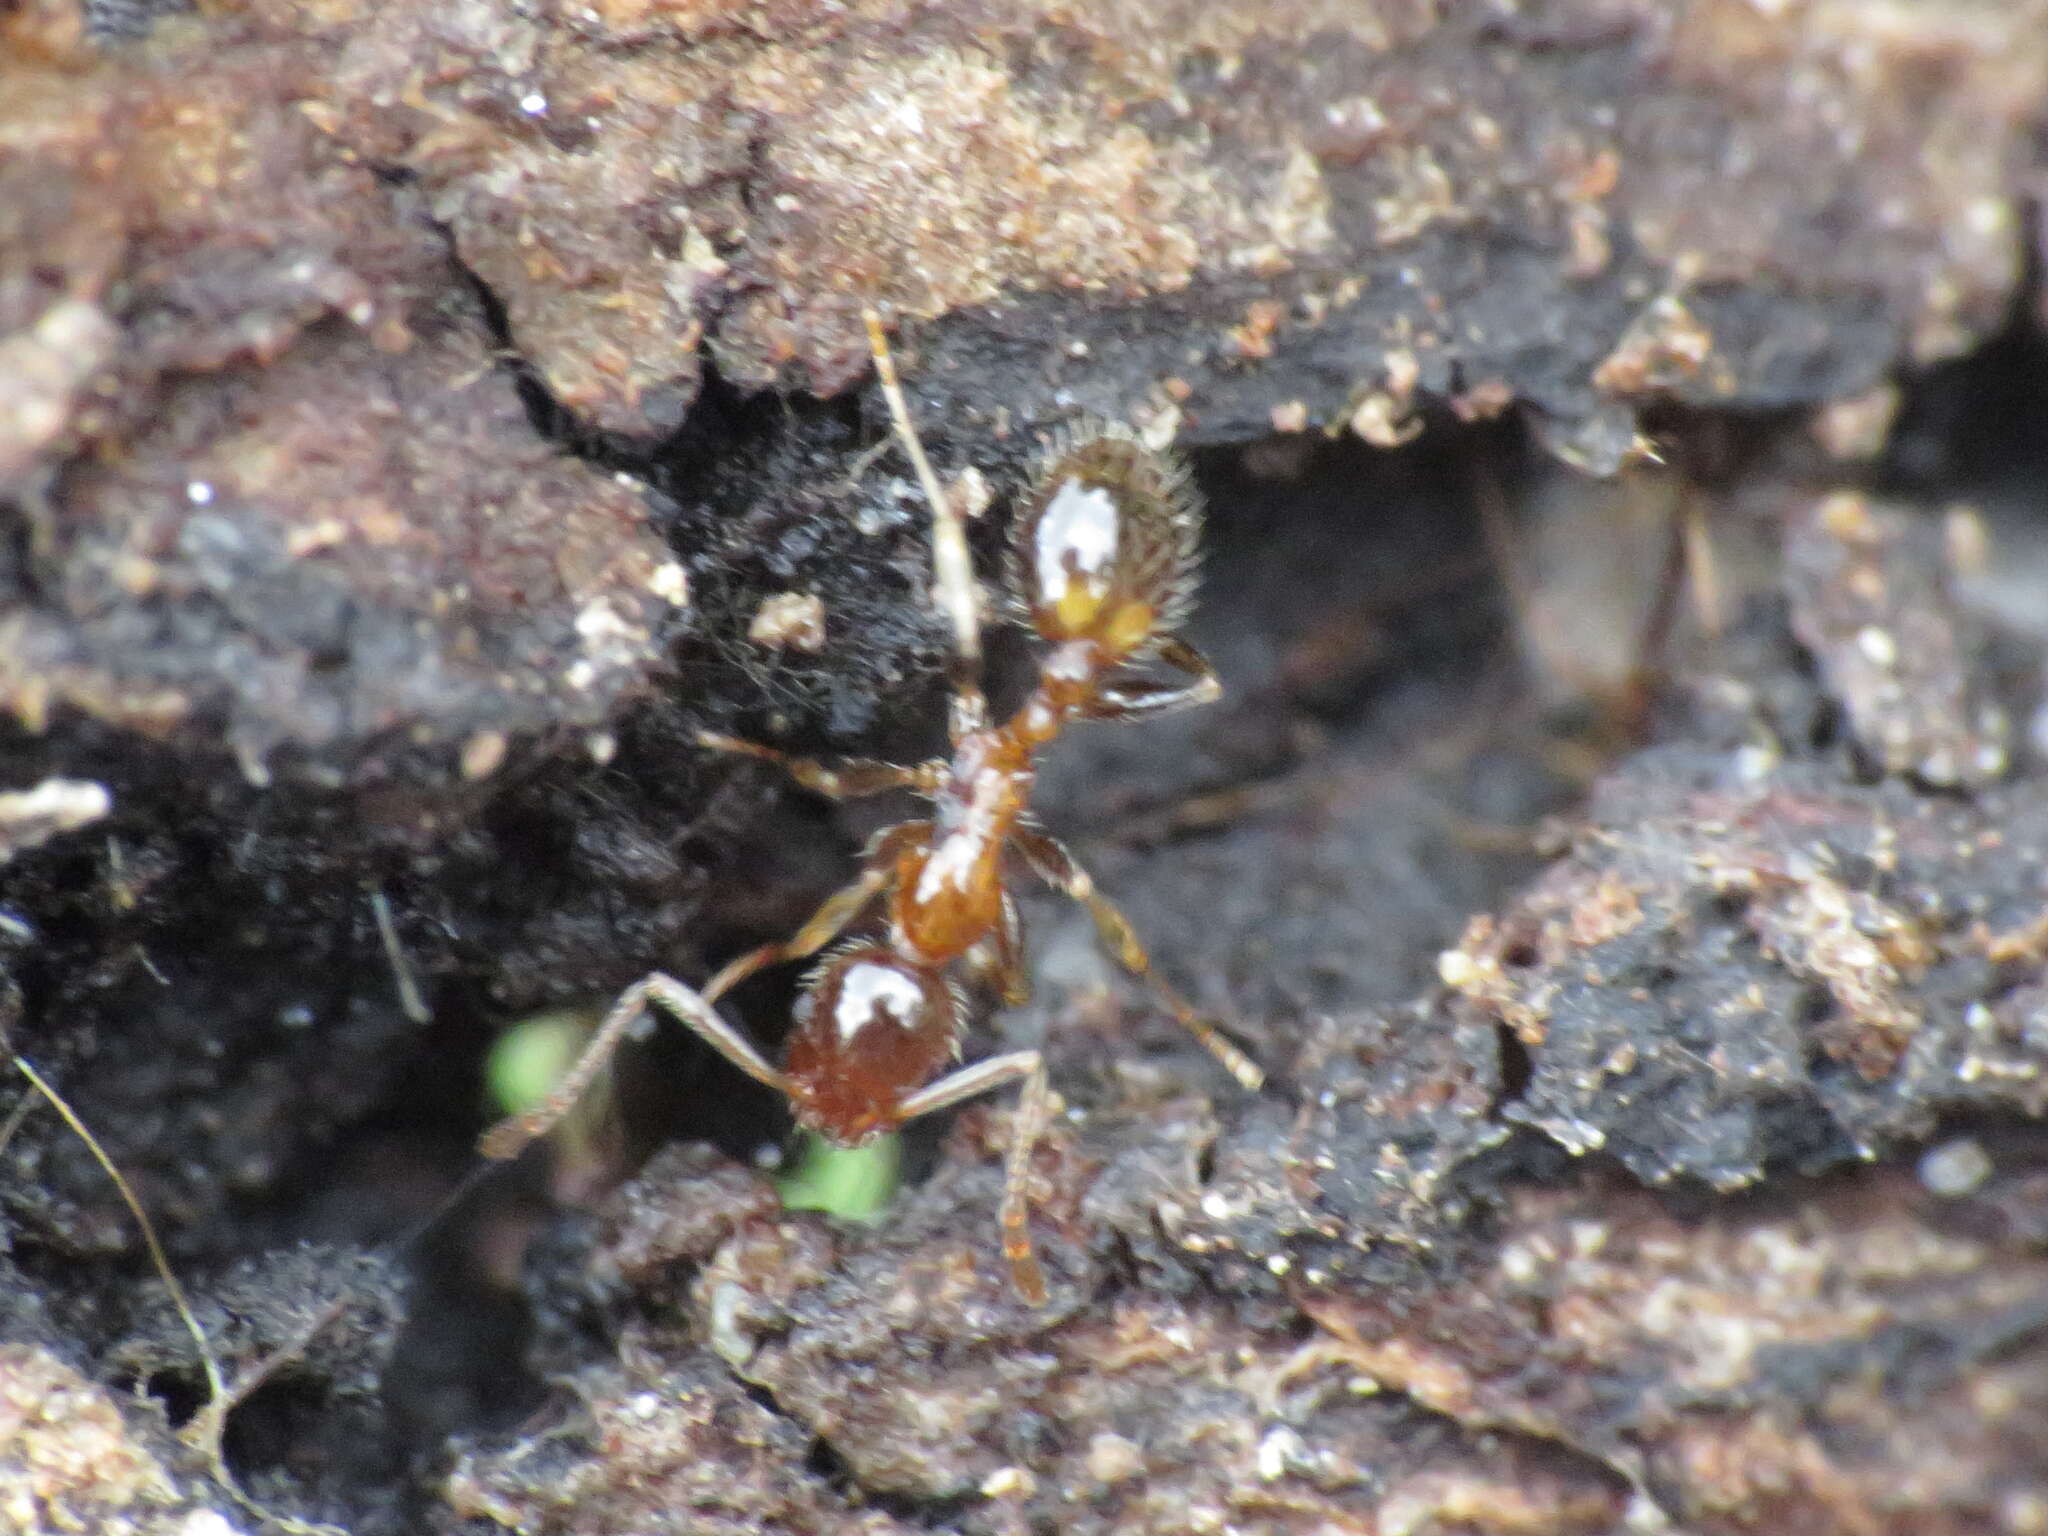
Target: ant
(1102,564)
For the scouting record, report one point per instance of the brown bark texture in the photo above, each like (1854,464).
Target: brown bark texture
(419,419)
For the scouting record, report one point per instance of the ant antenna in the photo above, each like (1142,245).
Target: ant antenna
(954,588)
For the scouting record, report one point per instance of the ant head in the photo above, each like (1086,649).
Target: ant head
(1104,546)
(869,1031)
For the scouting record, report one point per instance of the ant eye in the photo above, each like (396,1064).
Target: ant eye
(1104,543)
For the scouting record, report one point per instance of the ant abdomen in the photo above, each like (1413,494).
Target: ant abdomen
(1104,545)
(869,1029)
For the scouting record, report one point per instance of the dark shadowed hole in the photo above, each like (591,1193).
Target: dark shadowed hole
(268,1425)
(182,1395)
(823,1460)
(1517,1067)
(1729,904)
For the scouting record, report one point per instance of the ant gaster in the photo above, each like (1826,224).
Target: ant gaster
(1102,564)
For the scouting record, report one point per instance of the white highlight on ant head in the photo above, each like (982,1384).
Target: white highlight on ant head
(1076,538)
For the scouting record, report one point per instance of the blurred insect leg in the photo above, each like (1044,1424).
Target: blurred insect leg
(1009,955)
(995,962)
(847,779)
(1051,861)
(954,589)
(1183,657)
(1142,698)
(1034,1107)
(878,868)
(511,1136)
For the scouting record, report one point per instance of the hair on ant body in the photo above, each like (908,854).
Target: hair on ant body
(1102,565)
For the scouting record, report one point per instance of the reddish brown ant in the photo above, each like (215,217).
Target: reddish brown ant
(1102,565)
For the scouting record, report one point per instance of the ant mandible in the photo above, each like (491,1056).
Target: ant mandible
(1102,564)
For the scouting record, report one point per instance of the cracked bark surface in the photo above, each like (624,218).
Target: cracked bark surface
(412,418)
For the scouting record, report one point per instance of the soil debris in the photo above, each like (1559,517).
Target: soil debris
(1869,587)
(406,412)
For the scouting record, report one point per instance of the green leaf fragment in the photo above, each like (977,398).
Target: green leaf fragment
(529,1058)
(851,1182)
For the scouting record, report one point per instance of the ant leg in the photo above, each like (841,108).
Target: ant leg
(877,869)
(1052,863)
(1034,1108)
(511,1136)
(1009,950)
(954,588)
(1142,698)
(997,961)
(847,779)
(1182,656)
